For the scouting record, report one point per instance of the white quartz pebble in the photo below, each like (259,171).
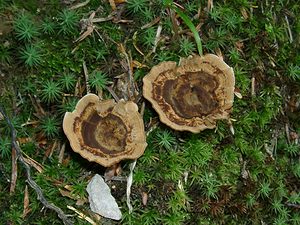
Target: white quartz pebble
(101,200)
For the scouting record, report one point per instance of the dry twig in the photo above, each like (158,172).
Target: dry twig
(129,183)
(86,75)
(157,38)
(134,40)
(88,26)
(61,153)
(26,208)
(30,181)
(79,5)
(14,171)
(152,23)
(210,5)
(128,66)
(297,206)
(289,29)
(111,91)
(253,87)
(82,215)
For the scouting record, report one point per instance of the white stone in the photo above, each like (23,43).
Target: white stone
(101,200)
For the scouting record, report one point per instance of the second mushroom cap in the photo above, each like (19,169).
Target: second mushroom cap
(193,95)
(105,132)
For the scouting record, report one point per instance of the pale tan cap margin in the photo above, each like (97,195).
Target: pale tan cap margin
(209,64)
(123,114)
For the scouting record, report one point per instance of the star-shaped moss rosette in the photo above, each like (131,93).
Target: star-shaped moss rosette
(105,132)
(193,95)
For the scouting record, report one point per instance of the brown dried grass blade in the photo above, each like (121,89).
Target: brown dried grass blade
(26,208)
(14,171)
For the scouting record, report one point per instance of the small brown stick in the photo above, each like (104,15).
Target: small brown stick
(253,87)
(157,38)
(111,91)
(99,20)
(30,181)
(86,75)
(129,183)
(174,24)
(231,128)
(134,40)
(14,171)
(297,206)
(142,111)
(61,153)
(210,5)
(26,208)
(50,150)
(144,198)
(88,28)
(110,172)
(99,93)
(287,132)
(219,53)
(77,91)
(79,5)
(289,29)
(152,23)
(37,106)
(82,215)
(131,88)
(31,162)
(35,122)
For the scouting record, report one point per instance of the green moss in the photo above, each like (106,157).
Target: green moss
(213,177)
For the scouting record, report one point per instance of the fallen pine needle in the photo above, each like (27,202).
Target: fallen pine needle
(129,183)
(81,215)
(152,23)
(61,153)
(26,208)
(157,38)
(79,5)
(86,75)
(253,87)
(134,40)
(14,171)
(33,163)
(144,198)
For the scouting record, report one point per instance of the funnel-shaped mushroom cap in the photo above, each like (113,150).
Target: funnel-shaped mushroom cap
(193,95)
(104,131)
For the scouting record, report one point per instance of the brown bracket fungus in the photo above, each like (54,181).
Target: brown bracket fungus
(105,132)
(193,95)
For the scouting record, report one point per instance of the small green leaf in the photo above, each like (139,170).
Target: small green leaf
(192,27)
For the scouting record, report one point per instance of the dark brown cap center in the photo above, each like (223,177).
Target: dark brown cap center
(191,94)
(107,133)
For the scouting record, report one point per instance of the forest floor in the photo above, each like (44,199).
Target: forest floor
(245,171)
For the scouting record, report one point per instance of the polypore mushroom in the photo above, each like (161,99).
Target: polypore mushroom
(105,132)
(193,95)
